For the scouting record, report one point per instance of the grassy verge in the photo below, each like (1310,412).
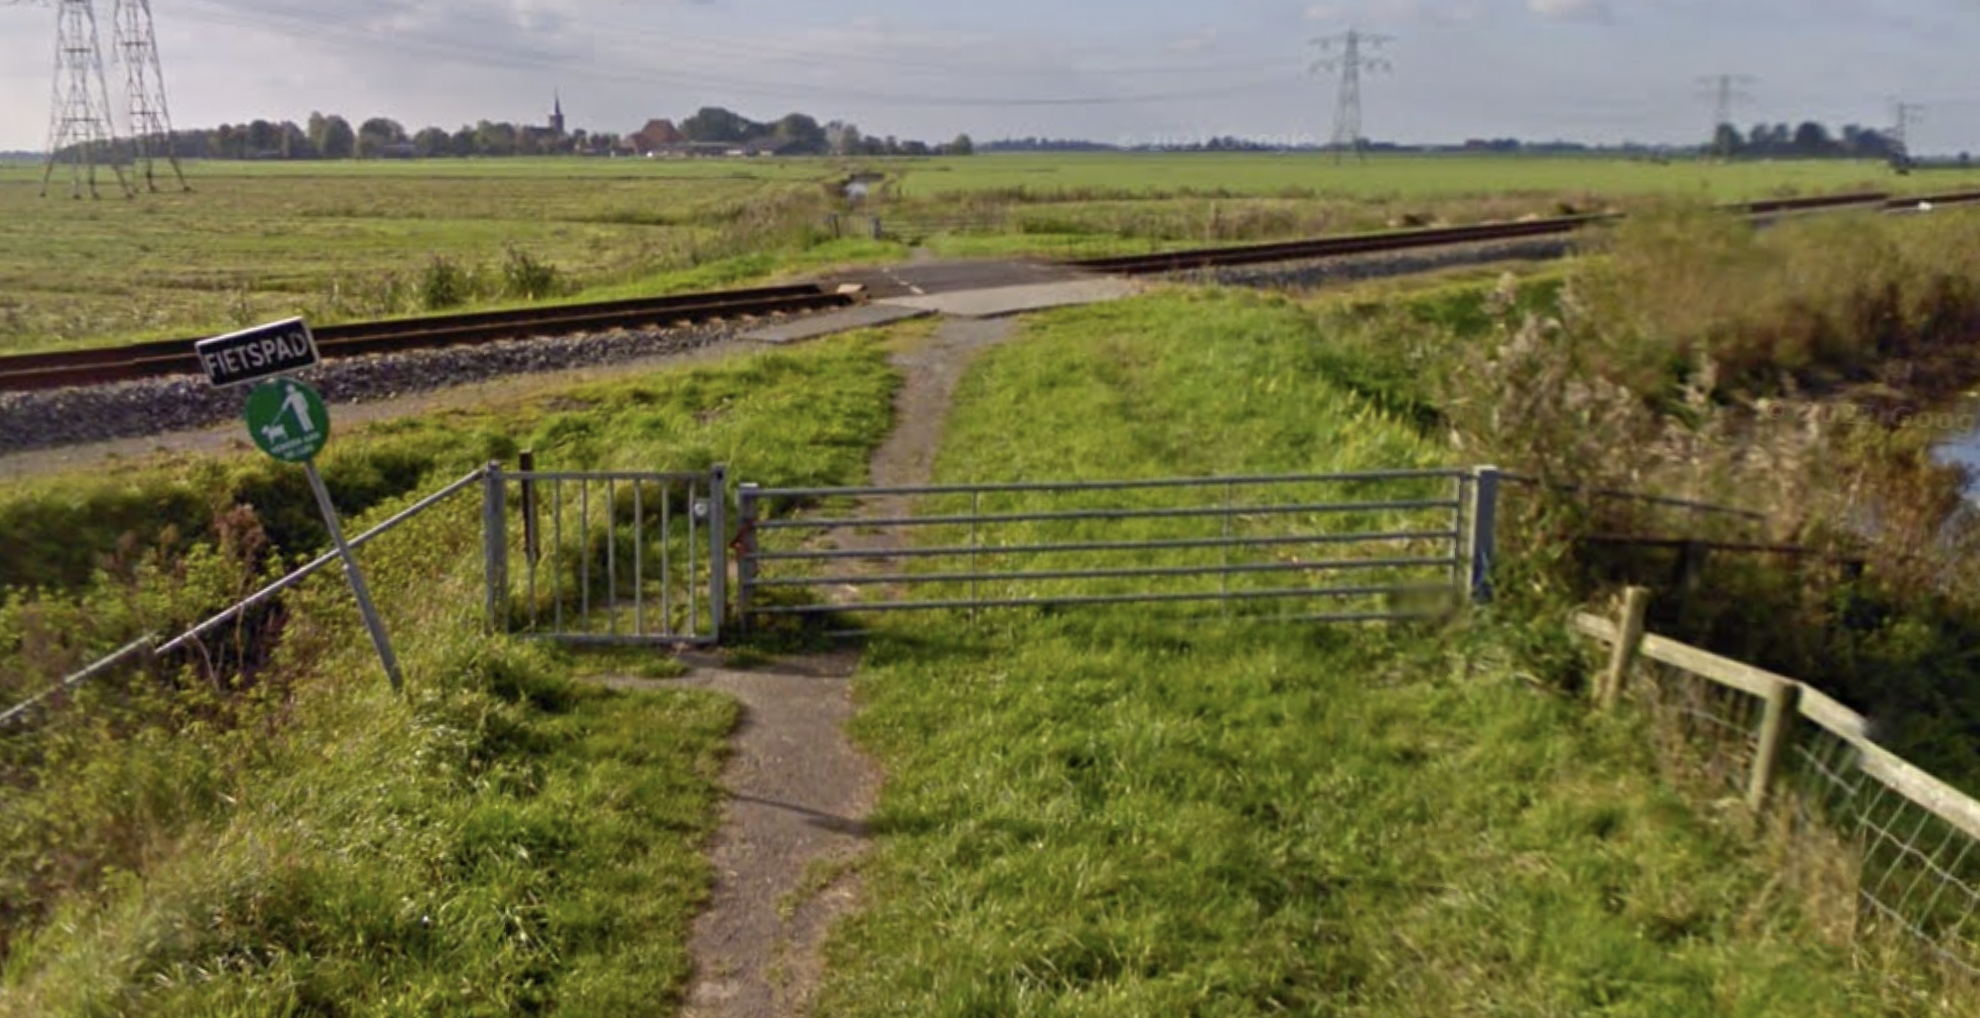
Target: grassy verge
(292,838)
(1100,813)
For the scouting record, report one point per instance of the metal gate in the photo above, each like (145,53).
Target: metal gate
(607,557)
(1339,547)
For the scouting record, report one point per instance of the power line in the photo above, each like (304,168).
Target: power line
(368,40)
(1343,55)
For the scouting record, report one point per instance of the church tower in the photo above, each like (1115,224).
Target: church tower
(557,116)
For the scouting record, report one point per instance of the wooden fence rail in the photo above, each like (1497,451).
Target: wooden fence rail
(1917,838)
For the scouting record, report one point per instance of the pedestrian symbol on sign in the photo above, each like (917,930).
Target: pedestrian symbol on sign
(287,420)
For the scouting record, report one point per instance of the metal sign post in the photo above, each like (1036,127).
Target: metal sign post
(372,622)
(287,420)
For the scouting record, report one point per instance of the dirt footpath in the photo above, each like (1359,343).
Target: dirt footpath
(799,791)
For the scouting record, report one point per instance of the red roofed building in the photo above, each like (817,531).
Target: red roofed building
(657,134)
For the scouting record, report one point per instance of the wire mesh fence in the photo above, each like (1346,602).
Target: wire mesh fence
(229,647)
(1907,845)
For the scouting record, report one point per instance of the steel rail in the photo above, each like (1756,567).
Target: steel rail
(176,357)
(1406,240)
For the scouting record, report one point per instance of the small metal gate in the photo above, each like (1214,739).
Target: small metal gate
(1415,543)
(623,557)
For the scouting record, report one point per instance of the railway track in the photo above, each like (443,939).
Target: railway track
(62,369)
(1408,240)
(102,366)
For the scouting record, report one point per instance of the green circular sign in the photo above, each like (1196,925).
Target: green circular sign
(287,420)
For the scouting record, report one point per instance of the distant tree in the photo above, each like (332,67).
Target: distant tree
(338,140)
(493,139)
(376,135)
(225,142)
(263,139)
(714,124)
(431,142)
(1812,139)
(843,139)
(1727,142)
(798,134)
(963,145)
(294,143)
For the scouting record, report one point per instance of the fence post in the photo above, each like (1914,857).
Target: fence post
(495,544)
(718,549)
(747,508)
(1629,638)
(1783,703)
(526,463)
(1483,536)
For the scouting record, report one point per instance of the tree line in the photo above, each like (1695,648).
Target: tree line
(1808,140)
(332,136)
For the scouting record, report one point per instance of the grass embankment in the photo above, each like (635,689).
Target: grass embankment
(1793,372)
(1096,812)
(293,838)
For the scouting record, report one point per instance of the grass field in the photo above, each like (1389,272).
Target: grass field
(1099,812)
(1403,177)
(343,241)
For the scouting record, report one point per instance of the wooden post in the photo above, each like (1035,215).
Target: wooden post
(1691,567)
(1629,637)
(1775,734)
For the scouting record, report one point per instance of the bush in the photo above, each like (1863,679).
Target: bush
(526,278)
(444,284)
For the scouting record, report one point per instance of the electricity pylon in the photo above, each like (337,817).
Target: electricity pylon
(144,85)
(1343,54)
(79,117)
(1727,90)
(1905,116)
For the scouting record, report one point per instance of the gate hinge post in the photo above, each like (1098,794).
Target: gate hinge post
(748,506)
(495,546)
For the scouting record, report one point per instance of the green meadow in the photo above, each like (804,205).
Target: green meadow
(364,240)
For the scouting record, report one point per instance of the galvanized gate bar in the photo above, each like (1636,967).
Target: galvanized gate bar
(1317,508)
(1096,599)
(1173,482)
(1101,546)
(591,584)
(1115,574)
(1231,520)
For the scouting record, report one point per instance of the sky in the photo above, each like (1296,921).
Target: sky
(1124,71)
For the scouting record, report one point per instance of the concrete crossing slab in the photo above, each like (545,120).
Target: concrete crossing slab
(864,316)
(1011,300)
